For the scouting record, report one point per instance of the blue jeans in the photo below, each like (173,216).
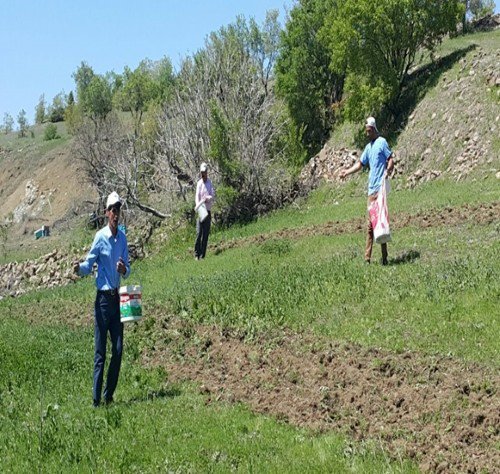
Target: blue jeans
(107,318)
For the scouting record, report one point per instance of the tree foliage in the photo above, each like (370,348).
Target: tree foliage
(40,110)
(223,111)
(149,83)
(480,8)
(376,43)
(94,92)
(304,78)
(50,132)
(22,122)
(7,123)
(55,111)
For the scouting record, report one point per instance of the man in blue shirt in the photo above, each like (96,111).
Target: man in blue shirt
(110,251)
(378,156)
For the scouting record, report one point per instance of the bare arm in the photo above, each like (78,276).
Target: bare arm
(390,164)
(353,169)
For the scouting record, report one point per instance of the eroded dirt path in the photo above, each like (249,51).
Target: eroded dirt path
(449,216)
(440,412)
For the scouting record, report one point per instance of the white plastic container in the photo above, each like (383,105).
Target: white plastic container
(130,303)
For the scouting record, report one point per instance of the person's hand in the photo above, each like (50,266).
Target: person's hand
(208,198)
(76,267)
(342,174)
(120,266)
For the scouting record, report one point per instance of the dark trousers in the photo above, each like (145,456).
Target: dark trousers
(202,232)
(107,318)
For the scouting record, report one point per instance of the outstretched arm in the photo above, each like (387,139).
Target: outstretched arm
(353,169)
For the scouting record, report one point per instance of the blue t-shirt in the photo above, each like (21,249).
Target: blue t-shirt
(376,154)
(106,250)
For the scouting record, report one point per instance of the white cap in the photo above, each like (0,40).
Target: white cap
(113,199)
(203,167)
(370,122)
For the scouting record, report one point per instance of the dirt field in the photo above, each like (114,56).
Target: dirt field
(440,412)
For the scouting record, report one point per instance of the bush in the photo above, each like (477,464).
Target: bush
(51,132)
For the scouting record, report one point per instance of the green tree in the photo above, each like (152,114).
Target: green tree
(377,43)
(8,123)
(305,81)
(82,76)
(264,42)
(94,92)
(22,121)
(96,101)
(50,132)
(481,8)
(40,110)
(72,115)
(475,9)
(56,110)
(165,77)
(139,89)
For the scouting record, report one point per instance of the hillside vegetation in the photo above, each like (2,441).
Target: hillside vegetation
(281,351)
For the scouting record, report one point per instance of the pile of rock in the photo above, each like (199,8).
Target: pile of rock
(326,166)
(56,268)
(48,271)
(421,176)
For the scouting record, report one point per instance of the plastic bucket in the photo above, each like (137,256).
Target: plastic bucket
(130,303)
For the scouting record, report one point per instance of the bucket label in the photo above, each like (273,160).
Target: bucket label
(130,303)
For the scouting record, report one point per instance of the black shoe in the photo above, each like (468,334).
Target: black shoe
(384,261)
(108,401)
(95,404)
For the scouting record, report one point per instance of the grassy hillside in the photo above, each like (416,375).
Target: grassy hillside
(287,289)
(281,351)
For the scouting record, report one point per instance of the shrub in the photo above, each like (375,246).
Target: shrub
(51,132)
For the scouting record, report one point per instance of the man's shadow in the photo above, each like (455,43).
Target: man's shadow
(406,257)
(151,395)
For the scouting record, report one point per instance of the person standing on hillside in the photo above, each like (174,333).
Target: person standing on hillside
(380,159)
(205,195)
(110,251)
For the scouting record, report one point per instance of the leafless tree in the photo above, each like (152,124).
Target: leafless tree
(224,112)
(114,161)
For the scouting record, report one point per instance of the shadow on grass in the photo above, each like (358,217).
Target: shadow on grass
(150,396)
(406,257)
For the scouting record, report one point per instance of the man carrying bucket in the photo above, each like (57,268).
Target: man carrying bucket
(110,251)
(204,199)
(378,156)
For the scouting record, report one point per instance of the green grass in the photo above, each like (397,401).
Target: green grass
(332,203)
(440,296)
(31,146)
(47,423)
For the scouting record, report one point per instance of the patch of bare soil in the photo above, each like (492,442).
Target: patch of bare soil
(441,412)
(449,216)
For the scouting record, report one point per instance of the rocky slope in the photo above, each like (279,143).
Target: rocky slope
(452,132)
